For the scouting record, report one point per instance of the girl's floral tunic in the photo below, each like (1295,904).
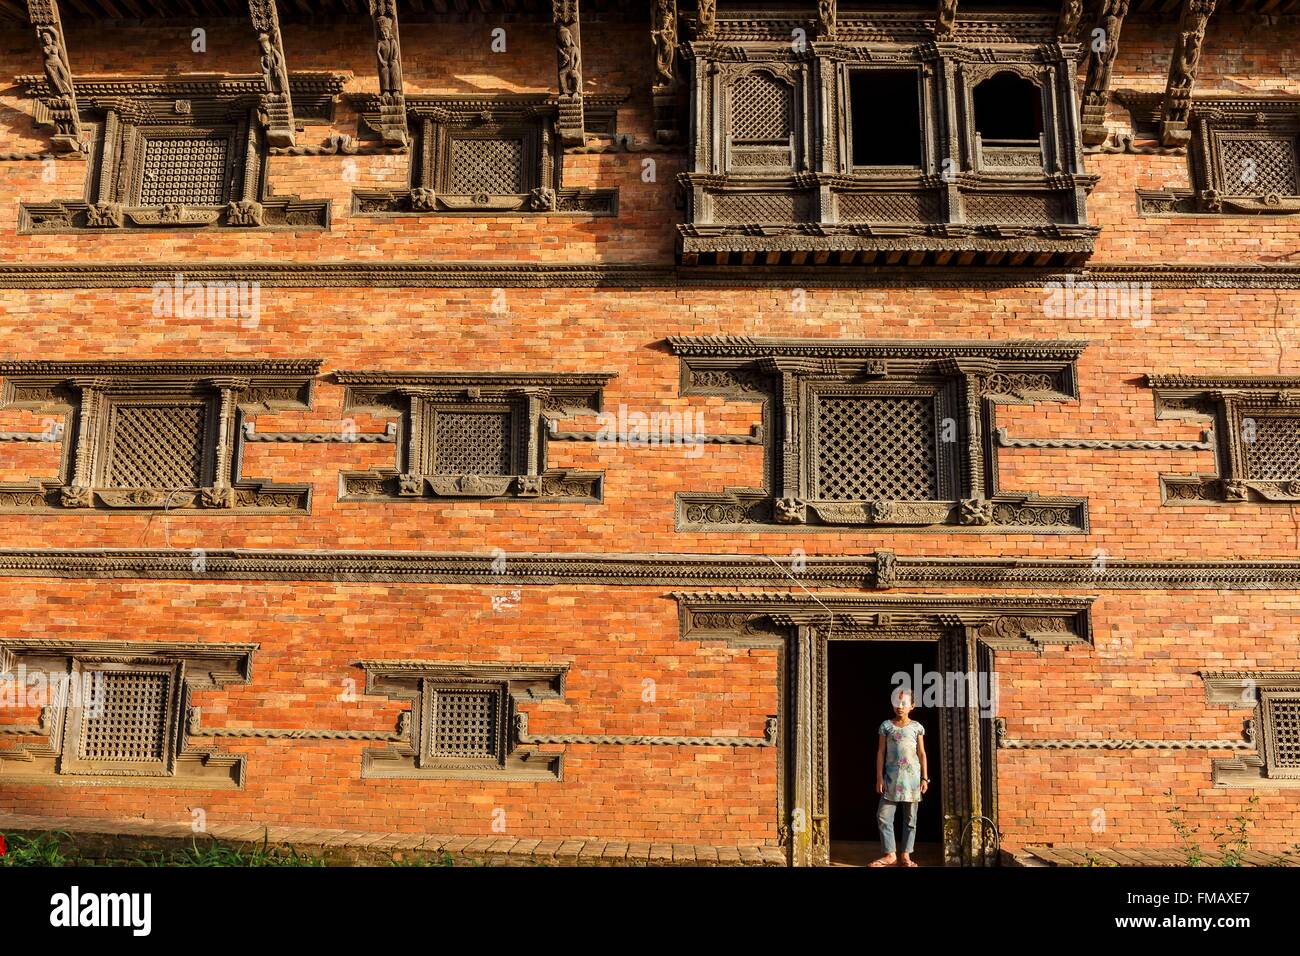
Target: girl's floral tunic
(902,763)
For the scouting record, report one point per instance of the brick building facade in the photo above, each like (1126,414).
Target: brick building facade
(553,429)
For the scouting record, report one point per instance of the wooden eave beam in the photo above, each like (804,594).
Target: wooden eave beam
(62,101)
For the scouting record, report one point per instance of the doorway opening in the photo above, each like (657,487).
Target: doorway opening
(861,675)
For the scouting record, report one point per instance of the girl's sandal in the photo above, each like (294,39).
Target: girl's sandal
(909,863)
(883,861)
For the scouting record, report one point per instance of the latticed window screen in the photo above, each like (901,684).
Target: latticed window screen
(1257,167)
(492,166)
(762,109)
(130,724)
(1273,454)
(465,723)
(1282,717)
(472,443)
(186,171)
(876,448)
(156,446)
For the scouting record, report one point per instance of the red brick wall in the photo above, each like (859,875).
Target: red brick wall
(1137,679)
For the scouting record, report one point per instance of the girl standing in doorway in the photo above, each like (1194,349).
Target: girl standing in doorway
(902,776)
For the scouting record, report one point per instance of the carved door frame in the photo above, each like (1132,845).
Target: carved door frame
(966,744)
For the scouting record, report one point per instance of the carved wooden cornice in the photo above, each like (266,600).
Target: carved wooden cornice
(748,348)
(1004,622)
(881,570)
(310,83)
(60,96)
(878,26)
(47,274)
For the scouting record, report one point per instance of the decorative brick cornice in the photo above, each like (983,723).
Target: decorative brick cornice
(883,570)
(420,275)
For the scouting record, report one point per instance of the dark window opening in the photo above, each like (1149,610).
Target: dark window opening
(1008,111)
(886,117)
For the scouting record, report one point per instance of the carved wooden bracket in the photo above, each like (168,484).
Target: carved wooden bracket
(62,98)
(1177,104)
(945,20)
(1101,56)
(1067,22)
(663,33)
(568,49)
(827,18)
(388,53)
(706,19)
(277,104)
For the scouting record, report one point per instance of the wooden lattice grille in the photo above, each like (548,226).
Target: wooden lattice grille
(156,446)
(1272,448)
(465,723)
(876,448)
(491,166)
(130,722)
(1282,725)
(762,109)
(188,171)
(1259,166)
(472,443)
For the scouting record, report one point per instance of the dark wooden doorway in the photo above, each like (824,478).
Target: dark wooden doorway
(861,678)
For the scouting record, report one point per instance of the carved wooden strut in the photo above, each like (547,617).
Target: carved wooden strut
(1102,50)
(62,101)
(945,21)
(388,54)
(663,33)
(277,106)
(568,48)
(1177,103)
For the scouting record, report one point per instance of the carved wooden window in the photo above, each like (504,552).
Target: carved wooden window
(472,435)
(164,435)
(1244,158)
(1256,429)
(486,155)
(117,712)
(1008,122)
(862,153)
(464,719)
(175,154)
(884,118)
(885,434)
(1280,716)
(131,727)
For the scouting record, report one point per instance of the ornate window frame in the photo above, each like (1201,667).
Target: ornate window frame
(57,758)
(126,114)
(1216,191)
(87,394)
(970,379)
(954,209)
(419,682)
(533,399)
(437,121)
(1227,403)
(1264,691)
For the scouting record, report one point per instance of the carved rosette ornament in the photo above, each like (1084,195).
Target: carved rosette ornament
(62,100)
(276,106)
(1177,104)
(568,48)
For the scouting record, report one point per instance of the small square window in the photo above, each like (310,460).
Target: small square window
(1257,165)
(1280,713)
(876,448)
(187,171)
(126,723)
(466,723)
(491,166)
(1271,447)
(156,445)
